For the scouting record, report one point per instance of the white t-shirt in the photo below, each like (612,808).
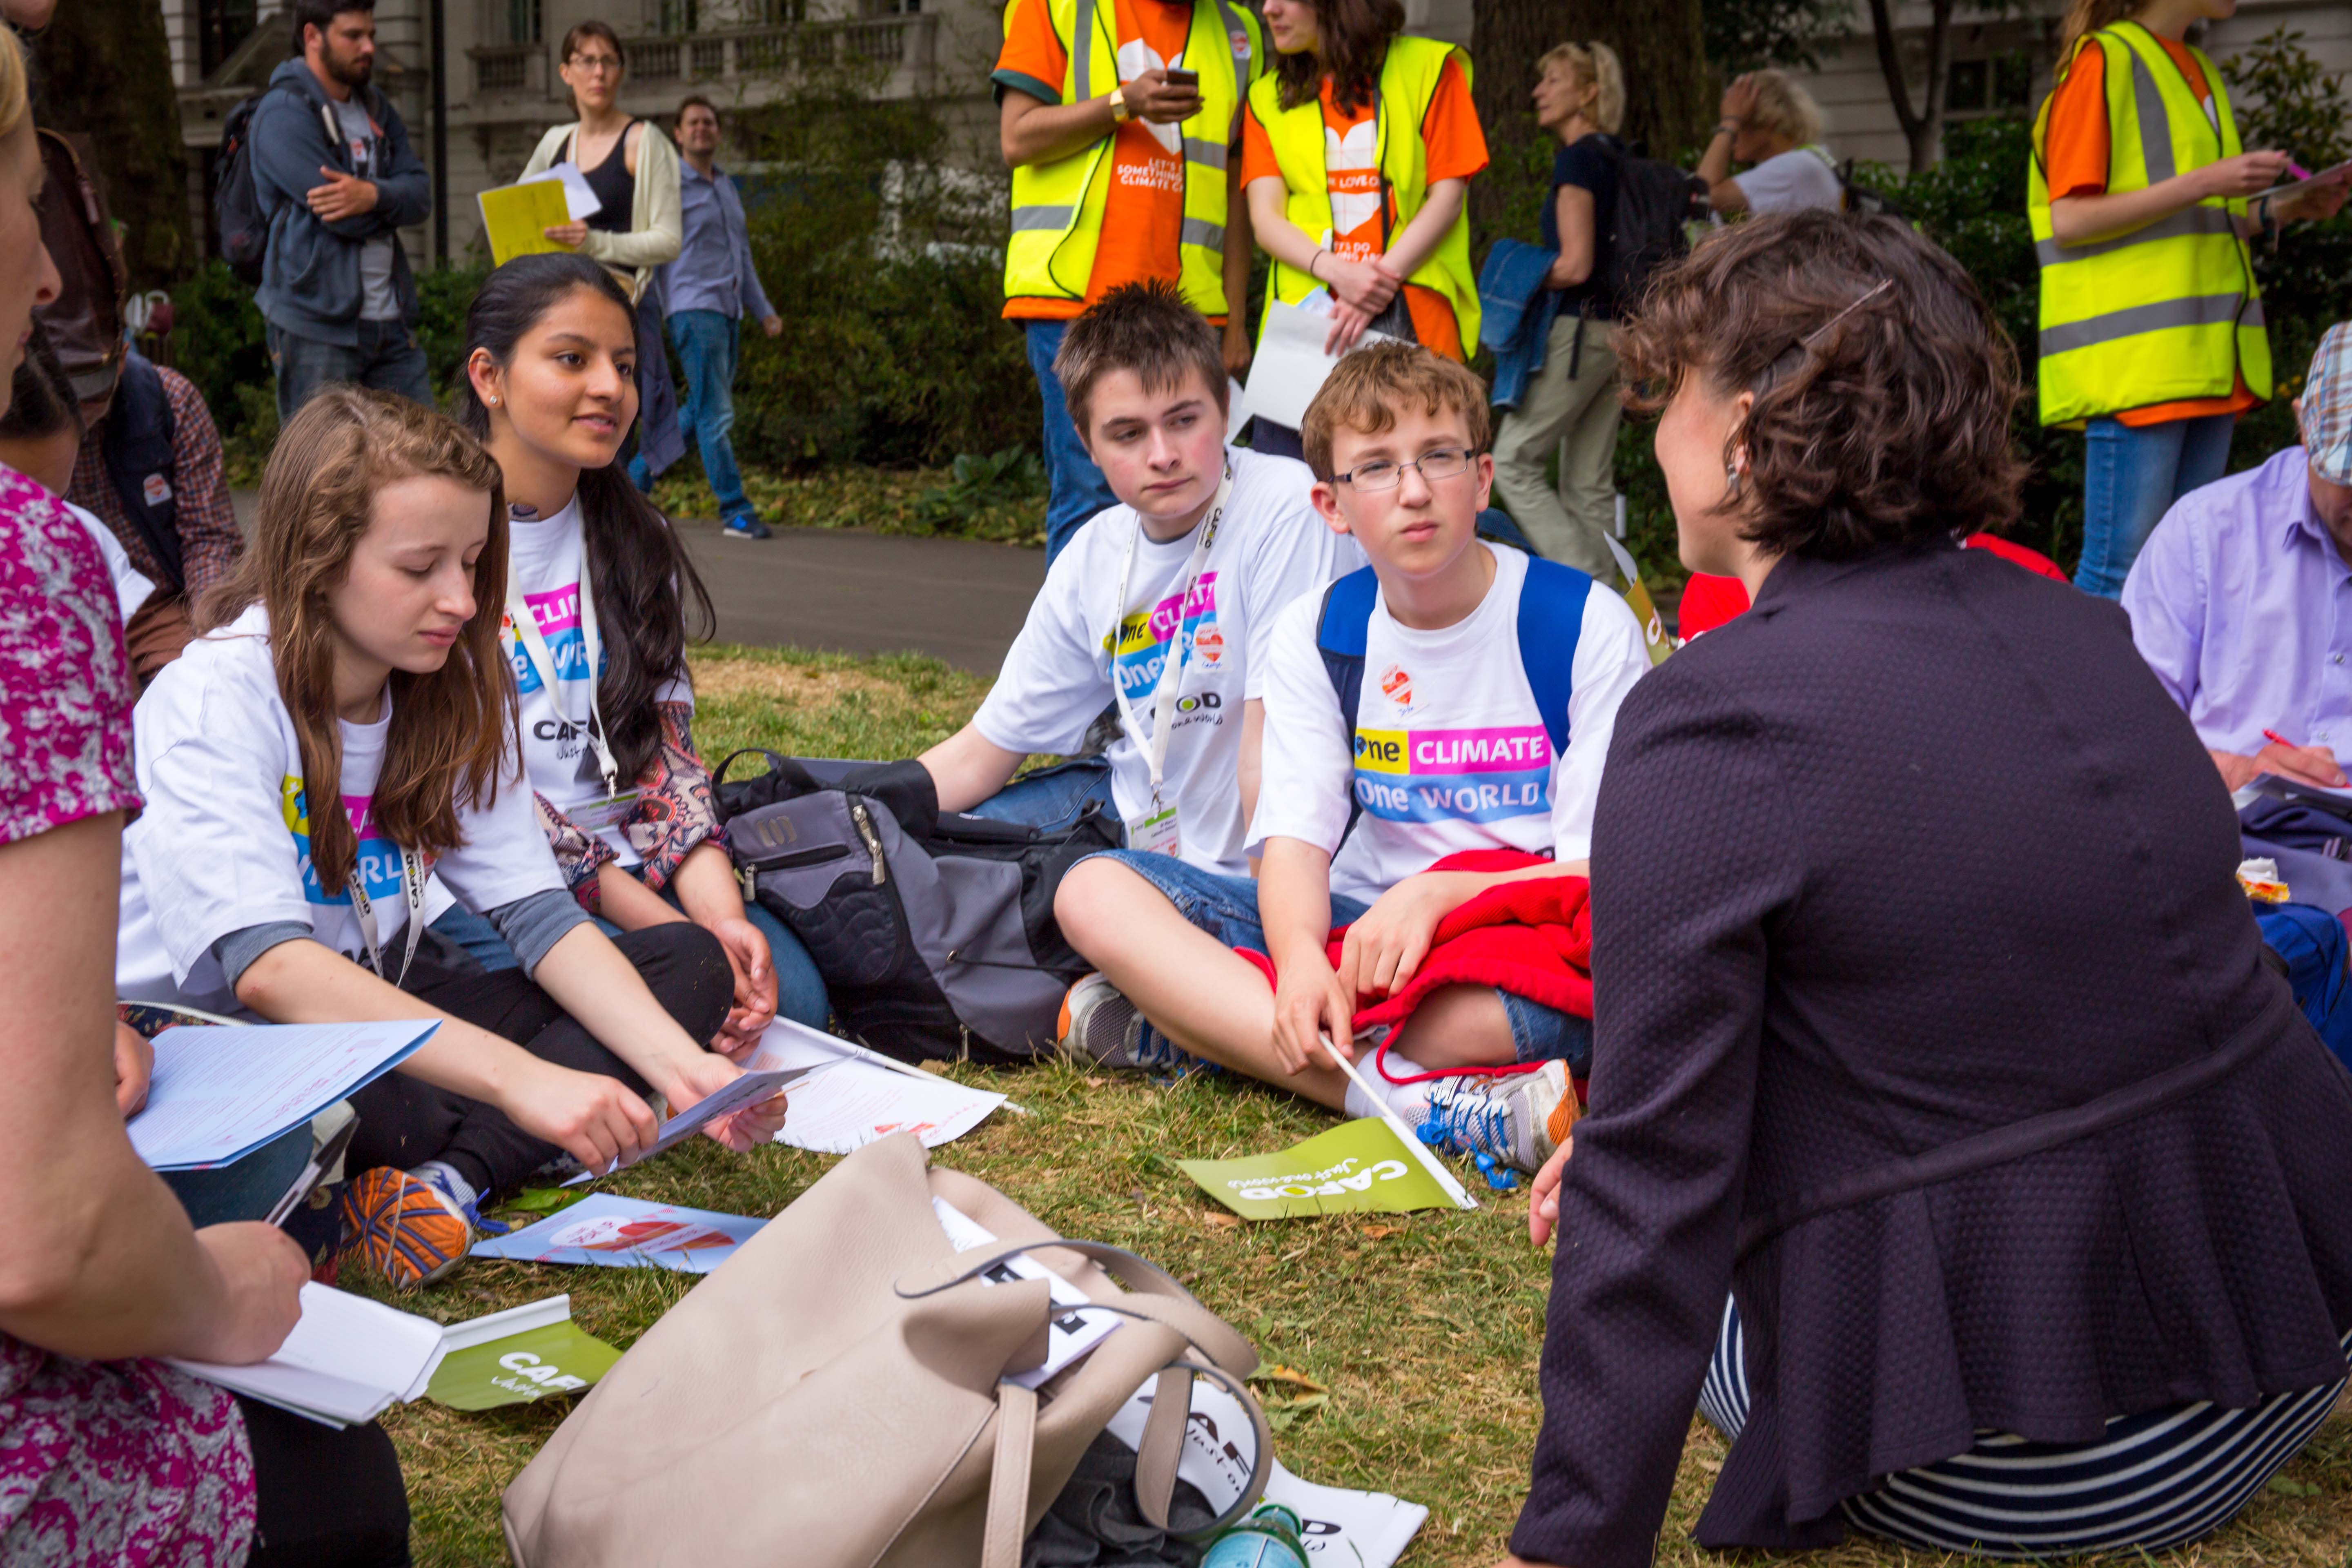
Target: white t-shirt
(1270,548)
(1449,752)
(132,585)
(1793,181)
(224,843)
(543,566)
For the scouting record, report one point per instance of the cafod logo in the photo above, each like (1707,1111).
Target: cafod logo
(528,1375)
(1326,1184)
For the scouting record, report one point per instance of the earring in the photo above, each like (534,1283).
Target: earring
(492,400)
(1731,477)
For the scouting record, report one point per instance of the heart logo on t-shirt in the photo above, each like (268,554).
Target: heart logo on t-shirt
(1135,58)
(1355,202)
(1397,686)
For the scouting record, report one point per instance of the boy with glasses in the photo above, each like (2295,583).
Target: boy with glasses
(1460,735)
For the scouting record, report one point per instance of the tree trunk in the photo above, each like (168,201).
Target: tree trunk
(105,69)
(1923,126)
(1663,49)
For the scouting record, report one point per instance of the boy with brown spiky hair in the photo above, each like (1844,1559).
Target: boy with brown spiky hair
(1452,696)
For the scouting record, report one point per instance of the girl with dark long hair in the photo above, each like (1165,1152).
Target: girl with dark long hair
(1357,152)
(332,759)
(597,604)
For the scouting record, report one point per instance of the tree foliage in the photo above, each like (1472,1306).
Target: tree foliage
(1743,34)
(105,70)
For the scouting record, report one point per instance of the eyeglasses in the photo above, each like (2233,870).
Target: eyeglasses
(596,62)
(1446,463)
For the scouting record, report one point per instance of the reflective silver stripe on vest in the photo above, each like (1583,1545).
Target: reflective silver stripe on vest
(2201,311)
(1235,28)
(2156,152)
(1211,153)
(2196,220)
(1082,51)
(1201,232)
(1054,218)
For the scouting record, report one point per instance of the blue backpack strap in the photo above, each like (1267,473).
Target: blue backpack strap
(1551,619)
(1339,633)
(1341,630)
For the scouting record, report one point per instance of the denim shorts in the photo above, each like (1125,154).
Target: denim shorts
(1226,908)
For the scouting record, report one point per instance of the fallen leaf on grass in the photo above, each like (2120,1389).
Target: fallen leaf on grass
(2286,1487)
(1219,1220)
(1382,1232)
(1097,1083)
(1277,1373)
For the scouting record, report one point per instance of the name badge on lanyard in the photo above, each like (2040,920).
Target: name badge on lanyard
(412,891)
(1154,830)
(535,649)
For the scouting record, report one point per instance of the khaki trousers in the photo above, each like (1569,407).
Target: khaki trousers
(1578,418)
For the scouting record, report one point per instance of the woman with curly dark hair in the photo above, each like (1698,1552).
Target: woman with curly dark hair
(1932,1029)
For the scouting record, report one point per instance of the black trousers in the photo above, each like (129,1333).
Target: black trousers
(405,1121)
(325,1498)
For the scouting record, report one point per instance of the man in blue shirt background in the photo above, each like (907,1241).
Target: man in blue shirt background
(706,293)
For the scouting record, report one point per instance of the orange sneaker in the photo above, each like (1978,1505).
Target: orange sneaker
(405,1228)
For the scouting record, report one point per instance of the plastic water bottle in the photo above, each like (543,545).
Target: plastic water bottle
(1271,1537)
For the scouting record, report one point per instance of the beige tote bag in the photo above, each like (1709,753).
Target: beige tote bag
(834,1395)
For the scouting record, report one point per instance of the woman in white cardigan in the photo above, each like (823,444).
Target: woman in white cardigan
(634,170)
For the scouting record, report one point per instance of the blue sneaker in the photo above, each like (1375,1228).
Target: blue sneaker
(743,525)
(1500,1121)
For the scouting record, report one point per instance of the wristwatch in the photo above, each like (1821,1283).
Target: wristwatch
(1119,113)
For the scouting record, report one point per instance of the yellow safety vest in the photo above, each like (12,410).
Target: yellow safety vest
(2166,312)
(1058,208)
(1408,81)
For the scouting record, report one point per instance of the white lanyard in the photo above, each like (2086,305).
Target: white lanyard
(1171,664)
(412,889)
(534,645)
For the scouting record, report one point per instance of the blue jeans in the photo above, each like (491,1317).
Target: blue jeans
(1079,490)
(1226,908)
(2131,478)
(709,344)
(800,989)
(387,357)
(1051,797)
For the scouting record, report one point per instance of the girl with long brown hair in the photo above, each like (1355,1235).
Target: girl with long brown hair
(1357,154)
(333,760)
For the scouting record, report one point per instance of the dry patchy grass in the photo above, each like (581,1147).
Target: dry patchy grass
(1424,1327)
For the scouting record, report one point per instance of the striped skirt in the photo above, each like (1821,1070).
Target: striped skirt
(2156,1479)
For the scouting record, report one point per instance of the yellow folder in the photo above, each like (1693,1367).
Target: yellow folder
(517,216)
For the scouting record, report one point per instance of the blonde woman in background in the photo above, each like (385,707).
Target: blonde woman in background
(1772,125)
(639,223)
(1570,404)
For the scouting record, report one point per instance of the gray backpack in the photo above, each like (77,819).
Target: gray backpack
(934,931)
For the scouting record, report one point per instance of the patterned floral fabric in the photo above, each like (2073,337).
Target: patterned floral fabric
(120,1463)
(678,812)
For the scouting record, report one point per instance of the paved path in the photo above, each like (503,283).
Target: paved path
(853,592)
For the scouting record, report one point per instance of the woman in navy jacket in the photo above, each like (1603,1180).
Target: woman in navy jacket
(1932,1026)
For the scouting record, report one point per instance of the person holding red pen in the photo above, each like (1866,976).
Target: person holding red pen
(2241,602)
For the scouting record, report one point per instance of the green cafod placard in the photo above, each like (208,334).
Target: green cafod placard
(557,1359)
(1358,1167)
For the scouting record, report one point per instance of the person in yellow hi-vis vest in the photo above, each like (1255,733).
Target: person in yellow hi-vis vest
(2142,201)
(1357,151)
(1119,119)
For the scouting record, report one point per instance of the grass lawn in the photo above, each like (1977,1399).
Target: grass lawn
(1424,1327)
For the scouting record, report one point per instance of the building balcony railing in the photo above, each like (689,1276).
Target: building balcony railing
(887,44)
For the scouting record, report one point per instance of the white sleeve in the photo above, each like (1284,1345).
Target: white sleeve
(504,855)
(1294,555)
(1307,778)
(1788,182)
(1054,682)
(212,847)
(1609,658)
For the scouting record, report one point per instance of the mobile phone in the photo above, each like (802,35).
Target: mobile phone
(1178,77)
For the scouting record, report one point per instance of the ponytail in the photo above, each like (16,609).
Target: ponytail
(2085,17)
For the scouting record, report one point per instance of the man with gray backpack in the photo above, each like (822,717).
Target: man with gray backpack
(324,162)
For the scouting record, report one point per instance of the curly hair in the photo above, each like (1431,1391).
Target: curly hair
(1882,386)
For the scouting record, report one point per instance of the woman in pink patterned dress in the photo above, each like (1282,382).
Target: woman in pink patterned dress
(107,1456)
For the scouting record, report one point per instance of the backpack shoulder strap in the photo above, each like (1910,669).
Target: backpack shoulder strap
(1551,619)
(1339,633)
